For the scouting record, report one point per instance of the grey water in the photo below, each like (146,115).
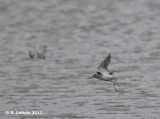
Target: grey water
(78,35)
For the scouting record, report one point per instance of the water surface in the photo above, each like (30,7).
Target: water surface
(78,35)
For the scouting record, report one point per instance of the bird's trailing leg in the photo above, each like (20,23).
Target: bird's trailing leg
(116,83)
(115,86)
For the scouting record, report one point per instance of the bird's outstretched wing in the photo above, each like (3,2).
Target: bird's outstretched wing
(103,67)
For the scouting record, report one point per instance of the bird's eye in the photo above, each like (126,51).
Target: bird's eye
(99,73)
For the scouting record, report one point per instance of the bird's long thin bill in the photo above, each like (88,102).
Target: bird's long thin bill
(90,77)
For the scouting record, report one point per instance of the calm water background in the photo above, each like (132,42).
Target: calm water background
(78,35)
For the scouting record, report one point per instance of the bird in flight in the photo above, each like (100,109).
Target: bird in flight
(105,74)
